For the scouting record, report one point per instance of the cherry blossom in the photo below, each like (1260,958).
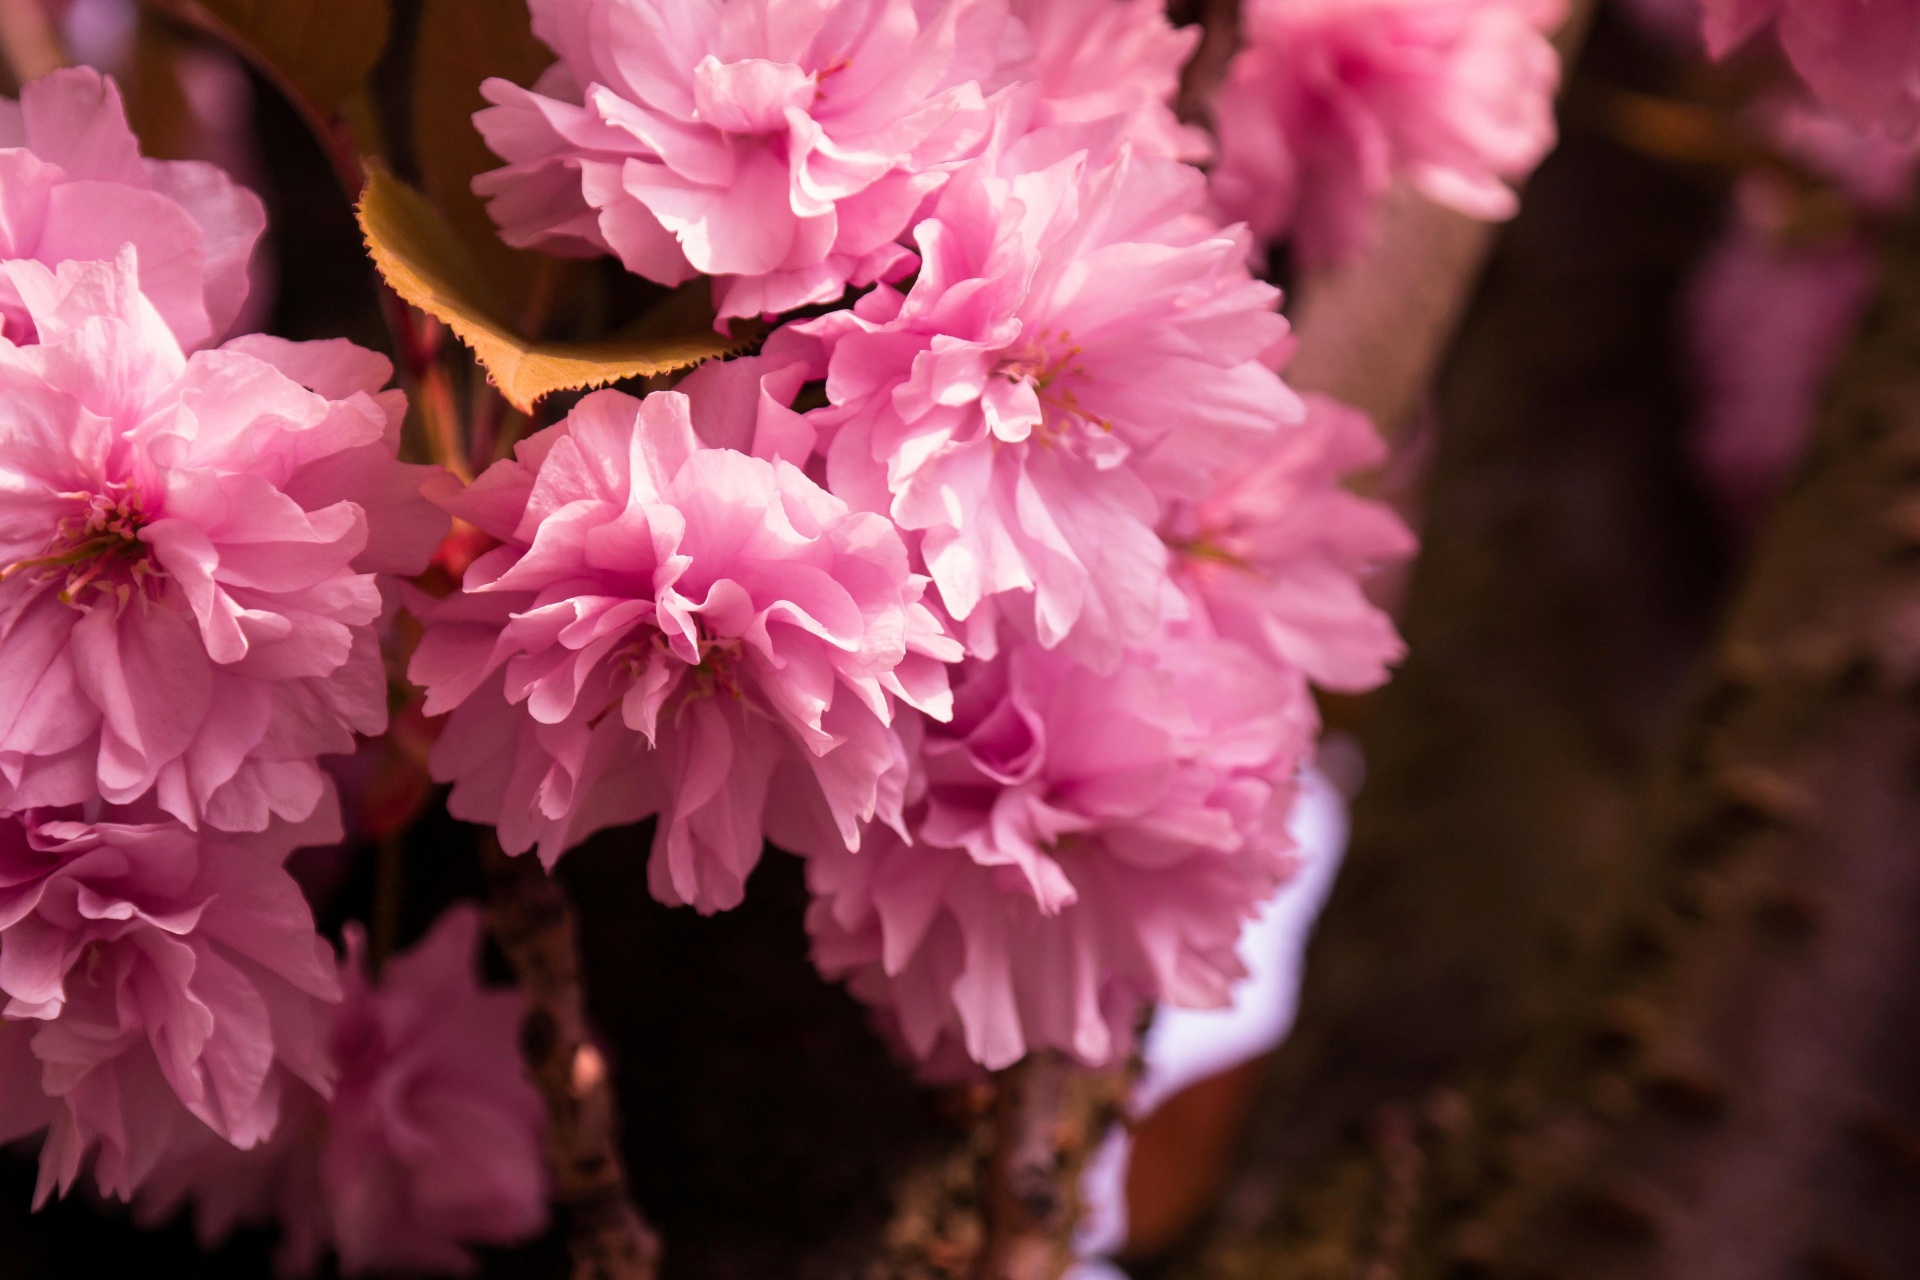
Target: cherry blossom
(1276,556)
(188,550)
(429,1145)
(1098,59)
(675,629)
(1767,322)
(1331,100)
(1082,844)
(779,146)
(1080,344)
(1862,56)
(1770,308)
(158,983)
(77,189)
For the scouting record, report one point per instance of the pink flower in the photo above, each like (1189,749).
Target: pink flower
(1331,100)
(187,555)
(274,1182)
(433,1134)
(1082,844)
(1079,346)
(1770,311)
(1872,169)
(1276,556)
(76,189)
(679,630)
(1767,321)
(154,978)
(431,1142)
(1862,56)
(780,145)
(1096,59)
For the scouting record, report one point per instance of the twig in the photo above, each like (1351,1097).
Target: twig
(1028,1210)
(1049,1116)
(534,926)
(28,42)
(389,891)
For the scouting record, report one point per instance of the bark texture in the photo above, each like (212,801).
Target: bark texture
(533,924)
(1620,979)
(1002,1202)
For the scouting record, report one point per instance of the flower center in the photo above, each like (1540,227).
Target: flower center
(1208,548)
(827,73)
(1051,367)
(715,673)
(98,545)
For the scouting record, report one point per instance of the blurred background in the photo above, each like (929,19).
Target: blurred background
(1549,1020)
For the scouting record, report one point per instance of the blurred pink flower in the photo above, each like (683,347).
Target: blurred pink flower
(1766,322)
(187,555)
(431,1142)
(1769,310)
(1080,345)
(1862,56)
(1276,557)
(674,629)
(1331,100)
(1872,169)
(76,190)
(154,977)
(780,145)
(276,1182)
(434,1131)
(1096,59)
(1082,844)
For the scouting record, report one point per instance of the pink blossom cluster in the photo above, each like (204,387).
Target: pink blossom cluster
(1331,101)
(995,592)
(787,149)
(191,541)
(160,984)
(78,189)
(676,629)
(428,1144)
(1860,56)
(197,549)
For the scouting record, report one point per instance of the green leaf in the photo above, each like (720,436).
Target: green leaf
(319,50)
(461,43)
(424,260)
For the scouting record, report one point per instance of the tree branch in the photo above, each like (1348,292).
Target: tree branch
(28,42)
(534,926)
(1029,1205)
(1002,1203)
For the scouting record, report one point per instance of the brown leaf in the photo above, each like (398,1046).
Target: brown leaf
(425,262)
(461,43)
(319,50)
